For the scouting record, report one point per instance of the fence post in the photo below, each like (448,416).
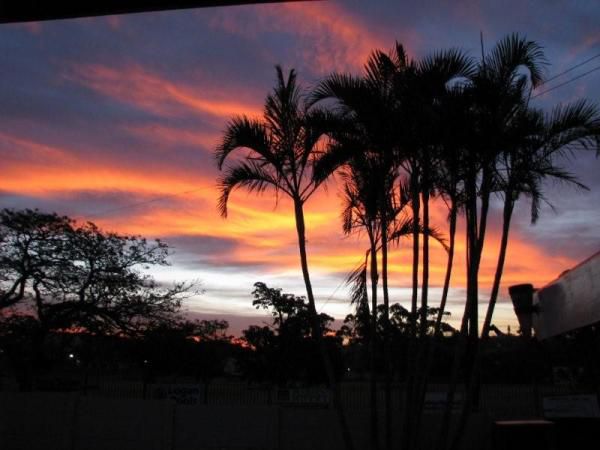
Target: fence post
(536,398)
(74,420)
(279,427)
(169,427)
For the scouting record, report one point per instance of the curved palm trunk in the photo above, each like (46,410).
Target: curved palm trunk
(473,381)
(316,327)
(419,368)
(430,351)
(477,238)
(475,248)
(461,345)
(449,264)
(373,346)
(425,282)
(466,337)
(387,349)
(386,336)
(416,206)
(507,215)
(472,288)
(412,351)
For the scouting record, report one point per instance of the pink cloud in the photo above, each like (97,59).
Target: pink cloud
(158,95)
(331,37)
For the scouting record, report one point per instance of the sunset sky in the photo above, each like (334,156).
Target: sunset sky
(115,120)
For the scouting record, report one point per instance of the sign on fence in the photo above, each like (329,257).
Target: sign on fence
(571,406)
(306,396)
(182,394)
(436,401)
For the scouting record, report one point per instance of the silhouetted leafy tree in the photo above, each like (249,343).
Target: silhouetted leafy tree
(57,275)
(77,276)
(355,326)
(291,314)
(28,243)
(284,350)
(197,348)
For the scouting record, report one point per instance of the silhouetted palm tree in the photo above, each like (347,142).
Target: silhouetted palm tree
(362,212)
(361,178)
(282,151)
(537,142)
(423,97)
(427,92)
(394,105)
(366,102)
(503,157)
(454,116)
(497,92)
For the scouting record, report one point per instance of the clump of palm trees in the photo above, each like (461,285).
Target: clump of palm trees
(407,131)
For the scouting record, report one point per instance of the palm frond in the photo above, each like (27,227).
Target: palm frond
(243,132)
(574,124)
(404,229)
(345,89)
(249,175)
(446,65)
(336,155)
(283,112)
(357,280)
(347,219)
(513,52)
(326,158)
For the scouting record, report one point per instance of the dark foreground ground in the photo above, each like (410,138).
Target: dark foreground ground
(237,416)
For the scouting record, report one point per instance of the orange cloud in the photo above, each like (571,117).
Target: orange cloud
(157,95)
(38,169)
(340,41)
(262,234)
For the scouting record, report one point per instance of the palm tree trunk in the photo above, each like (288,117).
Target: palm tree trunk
(507,215)
(415,203)
(373,346)
(316,328)
(418,367)
(386,335)
(449,264)
(473,254)
(473,374)
(415,266)
(475,247)
(444,432)
(430,349)
(425,282)
(485,193)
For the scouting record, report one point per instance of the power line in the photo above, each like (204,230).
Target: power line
(569,69)
(331,296)
(565,82)
(344,281)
